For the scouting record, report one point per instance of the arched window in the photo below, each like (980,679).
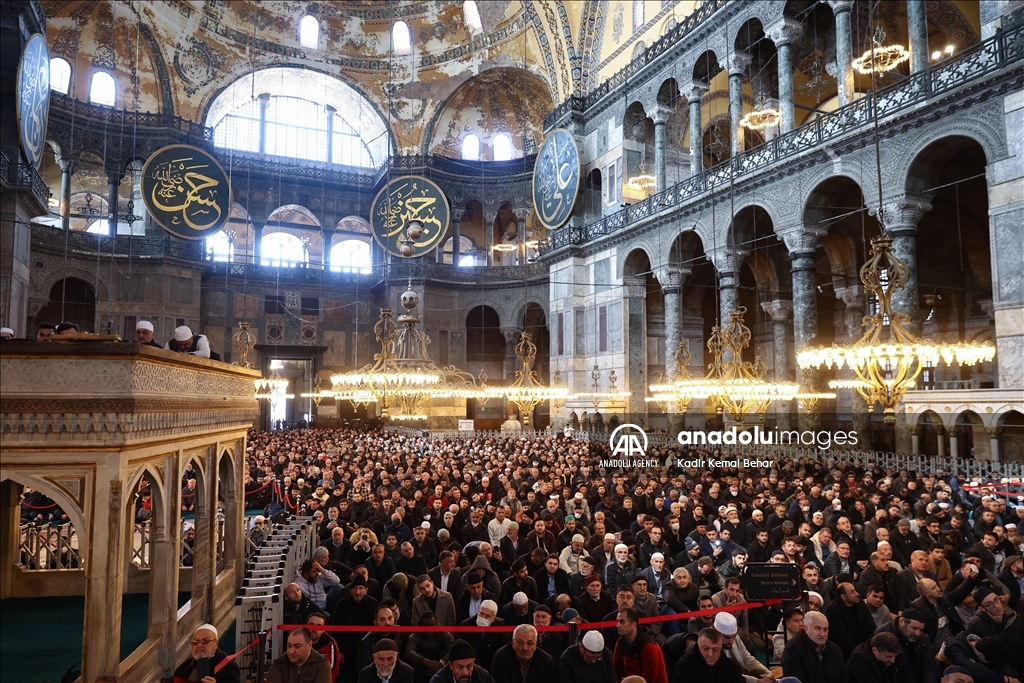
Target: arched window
(219,247)
(60,75)
(301,114)
(309,32)
(472,15)
(502,147)
(282,249)
(401,39)
(638,14)
(471,147)
(351,256)
(102,90)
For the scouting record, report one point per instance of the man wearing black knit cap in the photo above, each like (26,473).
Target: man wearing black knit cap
(956,674)
(386,666)
(917,654)
(462,666)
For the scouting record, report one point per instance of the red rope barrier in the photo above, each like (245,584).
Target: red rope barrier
(249,493)
(37,507)
(510,629)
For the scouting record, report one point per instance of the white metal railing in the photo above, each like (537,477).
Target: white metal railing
(142,541)
(44,546)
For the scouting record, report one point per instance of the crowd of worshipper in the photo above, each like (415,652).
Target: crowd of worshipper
(183,341)
(908,577)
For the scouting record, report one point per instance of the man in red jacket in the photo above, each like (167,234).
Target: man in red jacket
(636,651)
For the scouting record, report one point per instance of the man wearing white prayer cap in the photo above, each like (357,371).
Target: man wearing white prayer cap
(186,342)
(6,333)
(144,333)
(588,661)
(206,652)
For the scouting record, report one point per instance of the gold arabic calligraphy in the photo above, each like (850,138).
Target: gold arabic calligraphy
(403,207)
(182,188)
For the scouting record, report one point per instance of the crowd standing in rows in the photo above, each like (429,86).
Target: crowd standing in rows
(909,577)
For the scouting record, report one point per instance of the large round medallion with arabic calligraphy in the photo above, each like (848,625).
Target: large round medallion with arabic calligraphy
(33,104)
(556,179)
(409,216)
(186,191)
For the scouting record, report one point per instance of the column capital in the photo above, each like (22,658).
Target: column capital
(780,310)
(633,287)
(902,214)
(736,62)
(840,5)
(727,263)
(694,90)
(852,296)
(661,113)
(671,277)
(784,31)
(801,239)
(522,212)
(511,334)
(458,214)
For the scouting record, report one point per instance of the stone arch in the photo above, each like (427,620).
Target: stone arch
(532,301)
(903,162)
(687,247)
(970,425)
(59,496)
(706,65)
(635,260)
(73,270)
(505,317)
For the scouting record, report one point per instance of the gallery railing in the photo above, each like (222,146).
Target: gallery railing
(994,54)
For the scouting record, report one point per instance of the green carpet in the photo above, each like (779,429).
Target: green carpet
(42,637)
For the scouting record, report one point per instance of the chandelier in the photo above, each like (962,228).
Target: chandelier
(402,377)
(881,57)
(807,395)
(526,392)
(505,247)
(762,118)
(735,386)
(598,397)
(664,394)
(317,395)
(642,182)
(273,388)
(887,368)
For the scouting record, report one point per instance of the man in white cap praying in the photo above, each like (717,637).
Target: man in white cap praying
(186,342)
(733,648)
(588,661)
(144,333)
(6,333)
(204,666)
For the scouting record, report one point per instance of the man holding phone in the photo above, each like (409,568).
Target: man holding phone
(204,664)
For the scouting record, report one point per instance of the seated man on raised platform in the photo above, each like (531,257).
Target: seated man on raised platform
(186,342)
(206,658)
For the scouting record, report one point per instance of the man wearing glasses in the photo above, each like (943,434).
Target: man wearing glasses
(207,655)
(995,619)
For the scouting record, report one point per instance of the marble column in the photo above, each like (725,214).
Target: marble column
(917,26)
(736,64)
(634,321)
(805,318)
(325,251)
(900,218)
(113,181)
(66,168)
(940,438)
(512,336)
(660,117)
(693,95)
(456,237)
(489,218)
(257,240)
(853,317)
(671,282)
(844,49)
(521,215)
(783,34)
(954,444)
(915,440)
(993,444)
(727,295)
(780,312)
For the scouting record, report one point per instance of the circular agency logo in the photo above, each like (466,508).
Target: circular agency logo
(628,444)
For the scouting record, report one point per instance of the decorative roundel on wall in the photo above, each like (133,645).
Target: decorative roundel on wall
(556,179)
(186,191)
(409,216)
(33,103)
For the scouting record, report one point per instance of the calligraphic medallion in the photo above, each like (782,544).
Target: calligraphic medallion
(186,191)
(409,216)
(33,104)
(556,179)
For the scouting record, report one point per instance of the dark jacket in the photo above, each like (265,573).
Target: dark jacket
(681,599)
(906,587)
(229,674)
(485,643)
(834,565)
(1011,630)
(863,667)
(903,546)
(848,627)
(403,673)
(800,659)
(542,669)
(572,668)
(462,606)
(917,658)
(1007,578)
(959,652)
(315,670)
(693,669)
(887,580)
(945,607)
(541,579)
